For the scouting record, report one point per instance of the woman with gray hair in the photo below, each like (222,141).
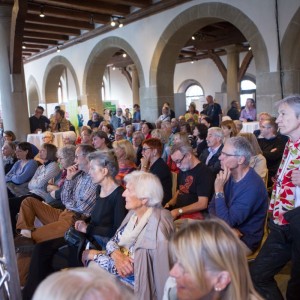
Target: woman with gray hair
(138,252)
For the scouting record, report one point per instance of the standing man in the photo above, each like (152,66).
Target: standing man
(38,121)
(283,242)
(118,119)
(213,111)
(137,114)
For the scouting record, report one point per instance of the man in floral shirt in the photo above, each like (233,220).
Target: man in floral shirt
(283,242)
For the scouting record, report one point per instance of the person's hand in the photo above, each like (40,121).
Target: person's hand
(175,213)
(88,255)
(80,226)
(237,232)
(296,177)
(221,179)
(52,187)
(72,171)
(52,194)
(171,203)
(273,150)
(144,163)
(123,263)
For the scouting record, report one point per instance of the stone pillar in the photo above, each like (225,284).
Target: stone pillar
(135,84)
(233,85)
(12,86)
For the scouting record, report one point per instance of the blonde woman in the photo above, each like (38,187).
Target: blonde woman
(229,130)
(126,159)
(48,137)
(258,161)
(211,265)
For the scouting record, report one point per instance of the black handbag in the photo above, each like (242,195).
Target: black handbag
(74,237)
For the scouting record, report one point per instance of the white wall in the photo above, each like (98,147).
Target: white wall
(144,37)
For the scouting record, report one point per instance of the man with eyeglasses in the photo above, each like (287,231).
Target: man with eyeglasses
(272,146)
(241,197)
(194,184)
(78,195)
(283,241)
(38,121)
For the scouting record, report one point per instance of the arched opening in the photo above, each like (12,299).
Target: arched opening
(112,66)
(33,95)
(183,28)
(248,90)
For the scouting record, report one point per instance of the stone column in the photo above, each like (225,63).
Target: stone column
(12,86)
(135,84)
(233,85)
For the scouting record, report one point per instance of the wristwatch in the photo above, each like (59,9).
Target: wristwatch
(180,211)
(219,195)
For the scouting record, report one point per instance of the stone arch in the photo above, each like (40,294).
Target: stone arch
(96,64)
(187,83)
(33,94)
(290,59)
(182,28)
(52,75)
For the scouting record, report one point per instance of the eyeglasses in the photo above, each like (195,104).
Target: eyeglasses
(145,149)
(263,127)
(227,154)
(76,156)
(179,161)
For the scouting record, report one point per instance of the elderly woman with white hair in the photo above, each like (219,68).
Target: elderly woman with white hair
(69,138)
(138,253)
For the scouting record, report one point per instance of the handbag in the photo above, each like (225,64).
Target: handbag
(74,237)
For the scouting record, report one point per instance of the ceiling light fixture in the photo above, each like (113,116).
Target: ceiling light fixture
(42,15)
(249,48)
(124,55)
(113,68)
(120,24)
(92,19)
(57,49)
(193,38)
(112,23)
(23,47)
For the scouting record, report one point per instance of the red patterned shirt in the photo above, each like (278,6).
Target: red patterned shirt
(284,191)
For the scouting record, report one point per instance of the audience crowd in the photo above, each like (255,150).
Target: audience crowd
(171,210)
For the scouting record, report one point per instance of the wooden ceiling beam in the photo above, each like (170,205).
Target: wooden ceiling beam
(45,36)
(40,41)
(136,3)
(52,29)
(67,14)
(245,64)
(35,46)
(62,22)
(89,6)
(31,50)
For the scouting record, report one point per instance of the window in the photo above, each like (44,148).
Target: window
(194,93)
(248,90)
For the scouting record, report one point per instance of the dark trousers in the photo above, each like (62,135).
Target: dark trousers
(280,247)
(41,265)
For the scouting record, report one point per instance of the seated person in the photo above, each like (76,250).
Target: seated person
(200,135)
(65,157)
(137,139)
(272,145)
(38,121)
(194,184)
(82,283)
(241,197)
(48,137)
(9,156)
(210,265)
(59,123)
(143,236)
(126,159)
(22,171)
(153,163)
(69,138)
(78,195)
(106,217)
(37,186)
(210,156)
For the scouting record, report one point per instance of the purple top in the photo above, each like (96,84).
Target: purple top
(248,114)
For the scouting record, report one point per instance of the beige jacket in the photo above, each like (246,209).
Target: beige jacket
(151,259)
